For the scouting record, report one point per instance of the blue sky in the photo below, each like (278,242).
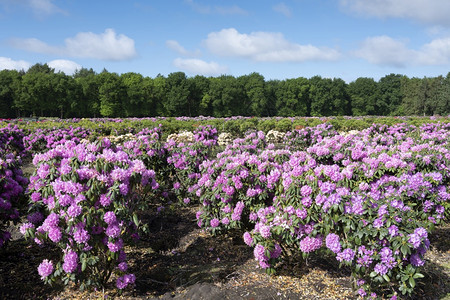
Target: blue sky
(278,39)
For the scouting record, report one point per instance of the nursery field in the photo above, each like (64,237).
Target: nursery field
(236,208)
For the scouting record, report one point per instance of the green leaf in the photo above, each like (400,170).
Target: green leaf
(412,282)
(385,277)
(405,249)
(418,275)
(135,220)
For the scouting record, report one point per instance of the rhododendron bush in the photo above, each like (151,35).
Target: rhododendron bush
(84,199)
(12,181)
(12,187)
(369,198)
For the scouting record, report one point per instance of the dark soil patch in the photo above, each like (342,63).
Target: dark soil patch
(177,260)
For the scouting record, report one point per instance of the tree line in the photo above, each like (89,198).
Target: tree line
(42,92)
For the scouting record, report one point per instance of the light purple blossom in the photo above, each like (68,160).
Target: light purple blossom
(25,226)
(74,211)
(81,235)
(380,269)
(54,234)
(332,242)
(347,255)
(248,239)
(415,240)
(109,217)
(115,246)
(310,244)
(45,268)
(70,261)
(416,260)
(123,266)
(214,222)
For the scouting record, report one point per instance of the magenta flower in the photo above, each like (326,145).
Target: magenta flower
(70,261)
(214,222)
(45,268)
(264,230)
(332,242)
(310,244)
(347,255)
(248,239)
(123,266)
(109,217)
(54,234)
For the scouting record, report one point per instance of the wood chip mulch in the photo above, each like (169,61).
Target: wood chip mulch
(179,261)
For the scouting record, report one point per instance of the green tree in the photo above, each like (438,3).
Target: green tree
(329,97)
(178,93)
(160,94)
(199,89)
(254,88)
(363,93)
(63,91)
(271,87)
(293,97)
(391,95)
(432,93)
(443,100)
(87,103)
(111,93)
(35,94)
(9,81)
(226,95)
(136,103)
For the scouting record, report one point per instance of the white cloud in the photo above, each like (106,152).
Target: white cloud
(222,10)
(7,63)
(264,46)
(198,66)
(428,11)
(67,66)
(384,50)
(437,52)
(175,46)
(40,8)
(44,7)
(283,9)
(35,45)
(230,10)
(104,46)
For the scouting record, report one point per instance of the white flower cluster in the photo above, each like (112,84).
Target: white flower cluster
(274,136)
(182,137)
(225,138)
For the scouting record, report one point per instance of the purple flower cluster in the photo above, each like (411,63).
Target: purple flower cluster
(12,187)
(310,244)
(45,268)
(374,179)
(87,179)
(332,242)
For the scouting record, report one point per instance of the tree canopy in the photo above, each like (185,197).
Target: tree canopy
(42,92)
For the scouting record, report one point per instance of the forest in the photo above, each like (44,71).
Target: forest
(42,92)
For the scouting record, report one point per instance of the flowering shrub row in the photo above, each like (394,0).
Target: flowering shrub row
(42,139)
(12,187)
(11,140)
(12,181)
(369,198)
(85,200)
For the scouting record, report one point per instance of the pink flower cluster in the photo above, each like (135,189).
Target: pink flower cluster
(89,192)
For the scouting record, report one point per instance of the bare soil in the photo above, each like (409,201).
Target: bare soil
(177,260)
